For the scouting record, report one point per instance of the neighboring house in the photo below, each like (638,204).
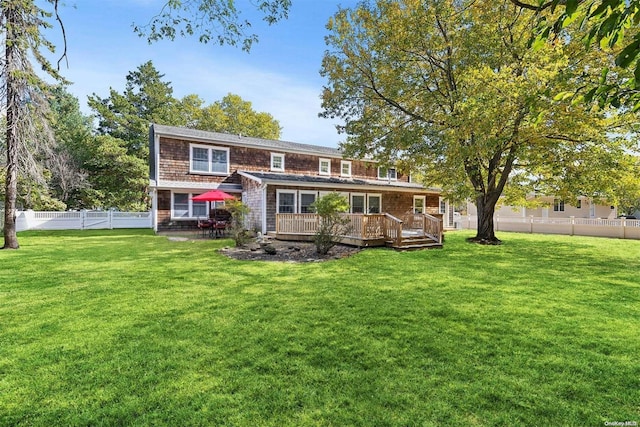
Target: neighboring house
(271,177)
(555,208)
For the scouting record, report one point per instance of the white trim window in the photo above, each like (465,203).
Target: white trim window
(277,162)
(387,173)
(558,205)
(306,199)
(183,207)
(205,159)
(374,203)
(286,201)
(358,202)
(345,168)
(324,167)
(443,206)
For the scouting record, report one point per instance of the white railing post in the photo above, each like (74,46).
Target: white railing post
(530,224)
(573,223)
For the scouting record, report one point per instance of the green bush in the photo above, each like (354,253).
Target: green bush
(332,224)
(237,230)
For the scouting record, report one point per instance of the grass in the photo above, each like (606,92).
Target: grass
(128,328)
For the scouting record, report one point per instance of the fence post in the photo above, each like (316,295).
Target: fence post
(572,219)
(110,219)
(530,224)
(83,215)
(623,224)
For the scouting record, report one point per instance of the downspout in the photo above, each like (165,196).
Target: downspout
(264,208)
(154,197)
(154,209)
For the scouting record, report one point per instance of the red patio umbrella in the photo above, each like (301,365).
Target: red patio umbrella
(213,196)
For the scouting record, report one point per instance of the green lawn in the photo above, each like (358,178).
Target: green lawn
(128,328)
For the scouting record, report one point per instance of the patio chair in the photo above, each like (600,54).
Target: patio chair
(206,226)
(220,219)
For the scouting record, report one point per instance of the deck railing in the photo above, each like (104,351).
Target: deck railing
(429,225)
(365,226)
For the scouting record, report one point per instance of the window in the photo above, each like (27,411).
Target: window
(214,160)
(387,173)
(579,204)
(443,206)
(357,203)
(183,207)
(306,199)
(558,205)
(286,202)
(345,168)
(374,202)
(418,204)
(180,206)
(325,167)
(277,162)
(199,209)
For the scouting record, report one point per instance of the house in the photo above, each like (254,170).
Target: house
(273,178)
(554,207)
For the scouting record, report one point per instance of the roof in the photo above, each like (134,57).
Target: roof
(246,141)
(335,182)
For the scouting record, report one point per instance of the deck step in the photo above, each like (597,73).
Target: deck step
(415,243)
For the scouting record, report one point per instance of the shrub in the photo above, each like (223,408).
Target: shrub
(237,230)
(332,224)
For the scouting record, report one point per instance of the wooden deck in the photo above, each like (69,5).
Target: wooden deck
(413,231)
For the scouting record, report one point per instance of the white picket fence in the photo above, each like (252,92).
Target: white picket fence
(80,220)
(618,228)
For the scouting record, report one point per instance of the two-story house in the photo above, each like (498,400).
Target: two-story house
(271,177)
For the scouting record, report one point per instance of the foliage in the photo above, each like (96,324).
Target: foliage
(450,92)
(130,328)
(234,115)
(602,24)
(216,21)
(24,94)
(238,230)
(118,179)
(331,224)
(127,116)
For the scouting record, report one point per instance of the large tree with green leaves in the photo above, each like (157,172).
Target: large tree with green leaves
(449,90)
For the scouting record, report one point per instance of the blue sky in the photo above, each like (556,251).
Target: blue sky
(279,76)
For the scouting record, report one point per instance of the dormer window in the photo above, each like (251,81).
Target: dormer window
(277,162)
(387,173)
(325,167)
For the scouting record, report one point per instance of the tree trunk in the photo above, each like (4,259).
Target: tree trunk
(13,99)
(485,233)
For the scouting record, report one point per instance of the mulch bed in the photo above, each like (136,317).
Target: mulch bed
(287,252)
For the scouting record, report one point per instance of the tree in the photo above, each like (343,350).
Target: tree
(211,20)
(72,131)
(24,95)
(234,115)
(448,89)
(146,99)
